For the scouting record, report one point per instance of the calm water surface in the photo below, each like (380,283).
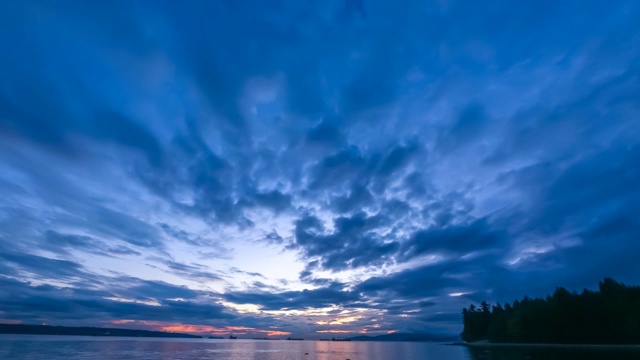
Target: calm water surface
(72,347)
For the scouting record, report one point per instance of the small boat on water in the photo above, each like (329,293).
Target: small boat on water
(232,337)
(290,338)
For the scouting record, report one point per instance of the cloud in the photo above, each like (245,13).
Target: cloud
(238,271)
(131,299)
(419,282)
(200,329)
(64,104)
(326,132)
(40,266)
(467,128)
(214,247)
(63,243)
(456,239)
(315,298)
(353,243)
(195,272)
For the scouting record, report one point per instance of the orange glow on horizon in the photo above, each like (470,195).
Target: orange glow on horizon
(199,329)
(333,331)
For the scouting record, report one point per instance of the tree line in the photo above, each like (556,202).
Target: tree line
(610,315)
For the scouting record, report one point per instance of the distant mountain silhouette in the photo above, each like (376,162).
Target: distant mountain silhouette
(85,331)
(407,337)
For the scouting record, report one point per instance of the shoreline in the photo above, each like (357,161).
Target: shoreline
(481,344)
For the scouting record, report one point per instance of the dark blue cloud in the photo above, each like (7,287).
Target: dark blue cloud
(158,290)
(48,303)
(353,243)
(316,298)
(63,243)
(467,128)
(419,282)
(456,239)
(40,266)
(65,103)
(250,273)
(194,272)
(327,131)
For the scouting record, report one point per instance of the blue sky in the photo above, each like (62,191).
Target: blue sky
(316,168)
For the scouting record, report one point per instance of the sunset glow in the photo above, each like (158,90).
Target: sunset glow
(201,329)
(333,331)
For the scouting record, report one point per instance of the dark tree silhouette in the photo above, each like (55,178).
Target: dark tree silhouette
(608,316)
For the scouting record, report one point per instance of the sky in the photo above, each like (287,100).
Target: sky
(312,168)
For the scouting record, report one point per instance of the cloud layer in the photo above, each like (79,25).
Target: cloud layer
(307,167)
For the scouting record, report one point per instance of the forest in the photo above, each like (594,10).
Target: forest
(610,315)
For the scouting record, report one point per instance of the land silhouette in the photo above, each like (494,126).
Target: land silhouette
(610,315)
(85,331)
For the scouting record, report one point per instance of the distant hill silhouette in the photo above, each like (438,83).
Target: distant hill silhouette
(407,337)
(85,331)
(608,316)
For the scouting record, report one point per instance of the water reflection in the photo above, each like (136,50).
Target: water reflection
(533,353)
(65,348)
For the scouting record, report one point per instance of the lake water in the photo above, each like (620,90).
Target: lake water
(33,347)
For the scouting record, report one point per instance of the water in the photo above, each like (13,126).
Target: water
(552,354)
(33,347)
